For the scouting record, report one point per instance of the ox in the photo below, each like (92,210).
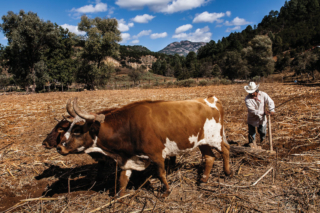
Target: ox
(148,131)
(57,133)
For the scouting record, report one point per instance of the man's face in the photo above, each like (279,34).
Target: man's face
(253,95)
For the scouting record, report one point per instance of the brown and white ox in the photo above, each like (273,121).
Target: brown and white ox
(55,136)
(148,131)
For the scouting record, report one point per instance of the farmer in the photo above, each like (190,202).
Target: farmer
(256,101)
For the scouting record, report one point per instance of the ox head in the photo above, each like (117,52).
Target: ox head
(82,133)
(57,133)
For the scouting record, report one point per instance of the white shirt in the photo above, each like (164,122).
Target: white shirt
(256,108)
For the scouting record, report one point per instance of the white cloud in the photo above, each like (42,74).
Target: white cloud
(183,28)
(237,21)
(122,26)
(208,17)
(158,35)
(142,33)
(135,41)
(228,13)
(200,35)
(125,37)
(233,29)
(73,29)
(99,7)
(4,38)
(164,6)
(182,5)
(143,19)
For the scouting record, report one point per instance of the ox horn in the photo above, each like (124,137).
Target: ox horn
(82,114)
(70,109)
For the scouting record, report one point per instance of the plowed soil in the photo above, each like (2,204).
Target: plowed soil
(55,183)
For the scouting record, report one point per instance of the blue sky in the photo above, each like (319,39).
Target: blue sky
(153,23)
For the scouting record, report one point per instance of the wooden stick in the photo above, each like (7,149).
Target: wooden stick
(41,198)
(270,133)
(255,183)
(262,176)
(10,172)
(116,179)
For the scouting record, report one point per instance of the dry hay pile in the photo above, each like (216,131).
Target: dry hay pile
(38,180)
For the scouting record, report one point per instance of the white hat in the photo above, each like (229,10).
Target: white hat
(252,87)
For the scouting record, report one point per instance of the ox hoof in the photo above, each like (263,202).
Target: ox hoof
(165,194)
(202,184)
(125,192)
(229,174)
(204,180)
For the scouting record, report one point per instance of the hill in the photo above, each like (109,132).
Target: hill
(134,48)
(182,47)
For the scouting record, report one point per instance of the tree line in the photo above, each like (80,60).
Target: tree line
(285,35)
(255,59)
(40,52)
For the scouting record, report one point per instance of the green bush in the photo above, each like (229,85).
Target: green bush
(147,86)
(203,83)
(256,78)
(215,81)
(186,83)
(170,84)
(225,81)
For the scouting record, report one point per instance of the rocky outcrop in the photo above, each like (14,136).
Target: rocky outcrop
(146,61)
(111,61)
(182,47)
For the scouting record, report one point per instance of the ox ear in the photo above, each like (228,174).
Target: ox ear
(100,118)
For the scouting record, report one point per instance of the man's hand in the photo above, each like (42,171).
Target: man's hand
(268,113)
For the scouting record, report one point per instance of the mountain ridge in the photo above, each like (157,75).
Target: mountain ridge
(182,47)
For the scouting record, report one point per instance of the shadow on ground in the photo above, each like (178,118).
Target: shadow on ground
(96,177)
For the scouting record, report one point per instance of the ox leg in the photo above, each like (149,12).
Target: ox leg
(225,155)
(123,181)
(162,174)
(209,160)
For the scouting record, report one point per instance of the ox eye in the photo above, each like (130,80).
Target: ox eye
(60,130)
(77,132)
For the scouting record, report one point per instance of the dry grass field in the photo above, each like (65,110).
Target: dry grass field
(33,179)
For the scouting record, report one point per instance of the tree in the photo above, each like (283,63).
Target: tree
(177,66)
(191,58)
(233,66)
(61,59)
(135,75)
(216,71)
(306,63)
(259,56)
(283,62)
(184,74)
(28,40)
(156,67)
(102,37)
